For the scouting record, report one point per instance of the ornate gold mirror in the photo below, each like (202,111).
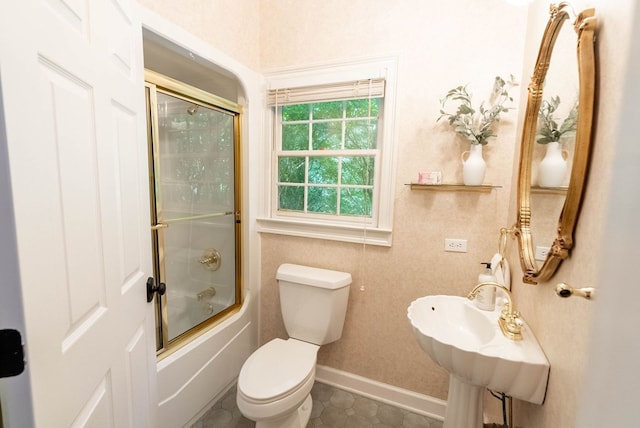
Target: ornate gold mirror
(556,141)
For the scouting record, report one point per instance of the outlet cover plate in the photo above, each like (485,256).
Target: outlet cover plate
(541,253)
(455,245)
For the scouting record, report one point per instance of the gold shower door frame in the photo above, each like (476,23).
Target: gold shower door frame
(155,84)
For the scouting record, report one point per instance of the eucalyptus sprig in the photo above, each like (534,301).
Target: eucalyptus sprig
(477,126)
(548,129)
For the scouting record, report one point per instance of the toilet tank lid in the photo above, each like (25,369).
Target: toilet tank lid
(316,277)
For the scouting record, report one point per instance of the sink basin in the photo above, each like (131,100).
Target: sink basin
(469,344)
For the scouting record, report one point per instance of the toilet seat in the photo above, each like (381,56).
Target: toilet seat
(276,370)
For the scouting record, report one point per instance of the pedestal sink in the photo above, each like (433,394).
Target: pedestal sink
(469,344)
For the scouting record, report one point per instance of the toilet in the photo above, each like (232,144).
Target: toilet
(274,386)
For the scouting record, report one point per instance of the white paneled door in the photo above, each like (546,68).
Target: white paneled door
(73,110)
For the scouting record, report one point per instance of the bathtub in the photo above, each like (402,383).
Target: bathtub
(195,376)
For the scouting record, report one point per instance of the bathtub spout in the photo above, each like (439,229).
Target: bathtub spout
(206,294)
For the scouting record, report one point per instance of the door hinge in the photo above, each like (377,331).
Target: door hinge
(11,353)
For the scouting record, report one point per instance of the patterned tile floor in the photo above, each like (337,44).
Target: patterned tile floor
(332,408)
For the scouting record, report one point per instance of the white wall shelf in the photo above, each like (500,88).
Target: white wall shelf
(485,188)
(549,190)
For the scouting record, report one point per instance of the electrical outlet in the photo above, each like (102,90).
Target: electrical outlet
(455,245)
(541,253)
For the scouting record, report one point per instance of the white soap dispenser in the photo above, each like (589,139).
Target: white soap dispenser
(486,297)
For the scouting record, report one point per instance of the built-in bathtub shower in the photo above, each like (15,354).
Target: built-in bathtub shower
(195,213)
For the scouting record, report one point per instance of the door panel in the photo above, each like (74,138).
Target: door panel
(96,412)
(71,75)
(76,205)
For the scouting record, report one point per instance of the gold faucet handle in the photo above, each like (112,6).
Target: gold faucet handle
(211,259)
(511,328)
(511,316)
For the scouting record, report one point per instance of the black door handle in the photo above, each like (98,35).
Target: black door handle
(152,288)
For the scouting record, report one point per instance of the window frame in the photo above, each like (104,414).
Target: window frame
(376,230)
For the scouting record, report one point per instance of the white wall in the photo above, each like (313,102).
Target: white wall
(611,381)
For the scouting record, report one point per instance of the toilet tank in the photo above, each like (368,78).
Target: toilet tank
(313,302)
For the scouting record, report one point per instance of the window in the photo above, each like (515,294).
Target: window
(332,156)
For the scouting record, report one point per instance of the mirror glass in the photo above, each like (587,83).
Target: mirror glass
(555,142)
(555,137)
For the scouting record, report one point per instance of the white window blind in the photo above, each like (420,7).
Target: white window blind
(358,89)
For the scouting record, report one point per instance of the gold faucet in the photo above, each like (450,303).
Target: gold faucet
(510,322)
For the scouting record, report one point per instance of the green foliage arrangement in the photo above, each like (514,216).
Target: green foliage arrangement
(548,129)
(477,126)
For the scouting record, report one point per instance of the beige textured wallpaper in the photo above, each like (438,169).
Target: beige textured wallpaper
(439,45)
(377,342)
(229,25)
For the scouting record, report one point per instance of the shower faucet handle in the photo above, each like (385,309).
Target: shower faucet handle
(211,259)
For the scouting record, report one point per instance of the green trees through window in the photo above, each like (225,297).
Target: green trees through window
(327,157)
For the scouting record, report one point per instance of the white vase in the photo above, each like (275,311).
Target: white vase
(473,166)
(553,167)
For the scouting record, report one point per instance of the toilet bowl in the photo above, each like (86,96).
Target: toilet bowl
(274,385)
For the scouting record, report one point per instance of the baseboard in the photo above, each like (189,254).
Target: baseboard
(417,403)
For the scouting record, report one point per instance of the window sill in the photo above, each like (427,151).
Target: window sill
(333,232)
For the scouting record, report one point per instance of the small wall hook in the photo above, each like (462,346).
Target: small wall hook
(564,290)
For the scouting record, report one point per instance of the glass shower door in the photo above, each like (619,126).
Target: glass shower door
(195,212)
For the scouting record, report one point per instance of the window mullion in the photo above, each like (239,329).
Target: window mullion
(343,132)
(306,159)
(330,153)
(276,147)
